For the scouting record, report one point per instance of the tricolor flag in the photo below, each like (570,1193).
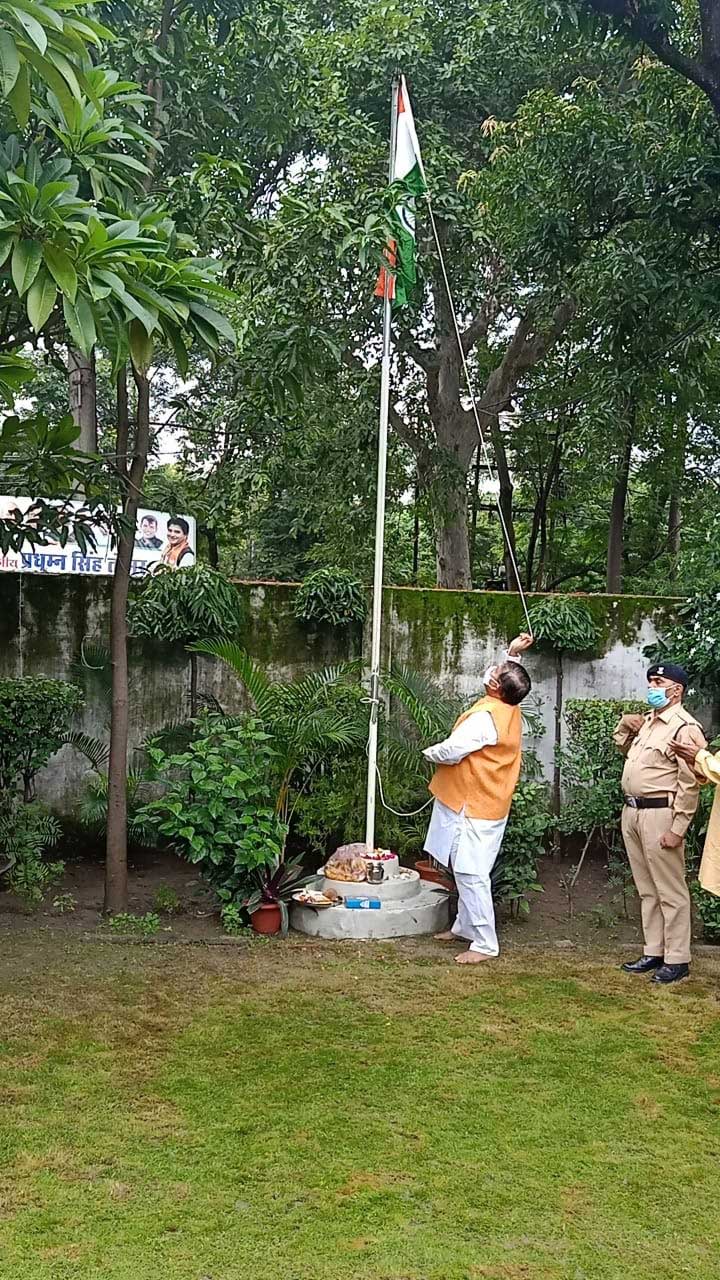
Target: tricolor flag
(397,280)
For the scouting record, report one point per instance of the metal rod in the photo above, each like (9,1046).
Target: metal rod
(377,601)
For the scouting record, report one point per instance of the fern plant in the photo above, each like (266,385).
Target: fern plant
(186,606)
(27,832)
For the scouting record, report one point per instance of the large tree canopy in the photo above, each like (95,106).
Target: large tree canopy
(573,174)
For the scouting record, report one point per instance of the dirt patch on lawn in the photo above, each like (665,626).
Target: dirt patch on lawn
(596,916)
(154,877)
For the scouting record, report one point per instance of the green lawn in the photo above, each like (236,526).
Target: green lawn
(290,1112)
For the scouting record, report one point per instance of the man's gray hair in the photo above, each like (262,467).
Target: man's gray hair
(514,682)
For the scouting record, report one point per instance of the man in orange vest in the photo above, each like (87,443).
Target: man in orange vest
(478,767)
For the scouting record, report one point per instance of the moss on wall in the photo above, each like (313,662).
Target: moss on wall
(437,621)
(57,612)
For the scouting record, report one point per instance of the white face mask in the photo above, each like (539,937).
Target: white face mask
(489,673)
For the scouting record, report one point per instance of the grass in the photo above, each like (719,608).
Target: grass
(297,1112)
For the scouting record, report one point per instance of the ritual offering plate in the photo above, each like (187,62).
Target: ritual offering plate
(313,898)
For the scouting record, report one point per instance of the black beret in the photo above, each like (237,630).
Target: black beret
(671,671)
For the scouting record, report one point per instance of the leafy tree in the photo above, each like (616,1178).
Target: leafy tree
(684,38)
(693,640)
(45,45)
(560,170)
(126,281)
(35,716)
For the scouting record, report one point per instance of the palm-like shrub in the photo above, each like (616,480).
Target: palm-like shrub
(426,715)
(310,720)
(94,803)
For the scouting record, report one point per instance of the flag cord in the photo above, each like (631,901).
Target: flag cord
(413,813)
(374,776)
(476,413)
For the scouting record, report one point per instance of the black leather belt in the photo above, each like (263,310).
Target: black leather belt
(647,802)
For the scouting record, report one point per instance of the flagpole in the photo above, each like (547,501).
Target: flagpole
(377,601)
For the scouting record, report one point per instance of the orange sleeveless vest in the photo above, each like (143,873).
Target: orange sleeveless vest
(483,783)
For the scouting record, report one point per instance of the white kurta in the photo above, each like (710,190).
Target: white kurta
(453,837)
(469,846)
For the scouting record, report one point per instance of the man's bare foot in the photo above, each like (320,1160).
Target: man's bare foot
(472,957)
(446,936)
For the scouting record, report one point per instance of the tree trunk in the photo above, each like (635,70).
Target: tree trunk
(156,91)
(213,551)
(557,777)
(674,529)
(453,547)
(116,883)
(505,499)
(543,550)
(82,395)
(538,530)
(532,539)
(616,533)
(505,503)
(416,535)
(473,520)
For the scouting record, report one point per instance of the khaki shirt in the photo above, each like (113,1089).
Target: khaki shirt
(650,767)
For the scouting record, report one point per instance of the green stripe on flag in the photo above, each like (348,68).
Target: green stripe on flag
(404,222)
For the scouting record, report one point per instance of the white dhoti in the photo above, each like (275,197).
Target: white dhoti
(469,848)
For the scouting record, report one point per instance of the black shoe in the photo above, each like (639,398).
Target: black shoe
(671,973)
(644,965)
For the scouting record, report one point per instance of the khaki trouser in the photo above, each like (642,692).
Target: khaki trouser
(659,876)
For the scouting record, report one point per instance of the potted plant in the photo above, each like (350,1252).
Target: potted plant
(430,870)
(274,887)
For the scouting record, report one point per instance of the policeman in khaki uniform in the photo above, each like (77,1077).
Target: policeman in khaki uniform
(661,795)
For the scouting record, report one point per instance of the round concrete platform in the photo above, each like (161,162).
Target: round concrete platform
(406,885)
(425,912)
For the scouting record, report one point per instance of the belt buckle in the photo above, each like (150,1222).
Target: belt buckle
(631,801)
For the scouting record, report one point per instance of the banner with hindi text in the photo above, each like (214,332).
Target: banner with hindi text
(161,541)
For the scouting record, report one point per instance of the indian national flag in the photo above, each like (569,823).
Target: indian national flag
(397,280)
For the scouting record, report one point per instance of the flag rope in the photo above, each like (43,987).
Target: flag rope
(384,288)
(473,401)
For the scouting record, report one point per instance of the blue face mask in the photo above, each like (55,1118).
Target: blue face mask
(657,699)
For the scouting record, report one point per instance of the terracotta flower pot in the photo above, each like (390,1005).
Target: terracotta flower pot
(427,871)
(267,918)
